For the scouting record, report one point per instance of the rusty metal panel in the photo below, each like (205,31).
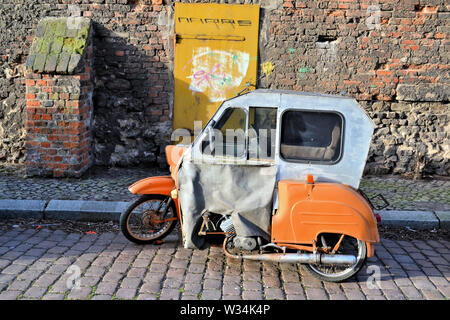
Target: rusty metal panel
(216,50)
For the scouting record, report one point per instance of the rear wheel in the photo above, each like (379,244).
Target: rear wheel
(148,219)
(348,246)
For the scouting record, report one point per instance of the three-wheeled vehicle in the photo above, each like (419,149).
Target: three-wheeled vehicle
(276,174)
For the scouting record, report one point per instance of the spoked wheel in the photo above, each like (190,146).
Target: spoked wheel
(149,218)
(348,246)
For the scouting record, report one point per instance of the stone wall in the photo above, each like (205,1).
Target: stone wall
(393,61)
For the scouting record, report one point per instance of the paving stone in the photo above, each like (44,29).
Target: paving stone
(101,297)
(185,296)
(252,285)
(196,268)
(155,277)
(192,288)
(175,273)
(10,295)
(147,297)
(134,279)
(34,293)
(4,263)
(315,294)
(432,294)
(79,294)
(208,294)
(212,284)
(130,283)
(169,294)
(231,289)
(45,280)
(252,295)
(106,288)
(14,269)
(295,297)
(53,296)
(141,263)
(251,276)
(444,290)
(374,298)
(271,281)
(231,297)
(173,283)
(151,287)
(125,293)
(411,293)
(95,271)
(354,294)
(90,281)
(293,288)
(19,285)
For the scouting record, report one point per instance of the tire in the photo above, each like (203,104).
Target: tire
(129,229)
(361,256)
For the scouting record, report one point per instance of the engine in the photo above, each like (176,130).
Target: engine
(242,243)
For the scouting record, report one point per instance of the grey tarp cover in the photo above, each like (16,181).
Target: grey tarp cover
(243,191)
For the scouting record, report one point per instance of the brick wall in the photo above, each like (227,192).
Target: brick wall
(399,72)
(57,124)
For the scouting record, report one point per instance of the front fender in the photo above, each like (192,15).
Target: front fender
(153,185)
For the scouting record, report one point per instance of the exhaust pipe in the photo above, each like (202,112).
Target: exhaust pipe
(309,258)
(335,259)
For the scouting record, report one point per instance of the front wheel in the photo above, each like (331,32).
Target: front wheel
(148,219)
(348,246)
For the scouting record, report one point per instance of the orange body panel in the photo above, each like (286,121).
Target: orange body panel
(307,210)
(173,155)
(153,185)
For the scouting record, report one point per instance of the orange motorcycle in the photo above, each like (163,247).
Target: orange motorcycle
(276,174)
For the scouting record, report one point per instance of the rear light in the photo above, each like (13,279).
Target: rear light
(378,217)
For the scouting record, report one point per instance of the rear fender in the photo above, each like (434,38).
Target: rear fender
(306,211)
(153,185)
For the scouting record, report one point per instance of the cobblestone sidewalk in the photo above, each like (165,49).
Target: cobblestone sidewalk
(101,183)
(44,264)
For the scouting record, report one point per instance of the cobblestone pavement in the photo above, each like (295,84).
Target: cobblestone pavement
(101,183)
(39,265)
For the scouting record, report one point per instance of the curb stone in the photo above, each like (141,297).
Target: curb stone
(414,219)
(22,208)
(444,219)
(85,210)
(88,210)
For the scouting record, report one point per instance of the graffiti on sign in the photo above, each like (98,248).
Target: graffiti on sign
(215,72)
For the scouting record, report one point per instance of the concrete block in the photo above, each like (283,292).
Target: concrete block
(11,208)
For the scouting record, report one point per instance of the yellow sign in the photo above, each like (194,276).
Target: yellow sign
(216,48)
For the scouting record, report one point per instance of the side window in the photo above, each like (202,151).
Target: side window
(262,127)
(311,136)
(227,136)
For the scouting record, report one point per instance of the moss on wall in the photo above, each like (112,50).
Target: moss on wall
(59,37)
